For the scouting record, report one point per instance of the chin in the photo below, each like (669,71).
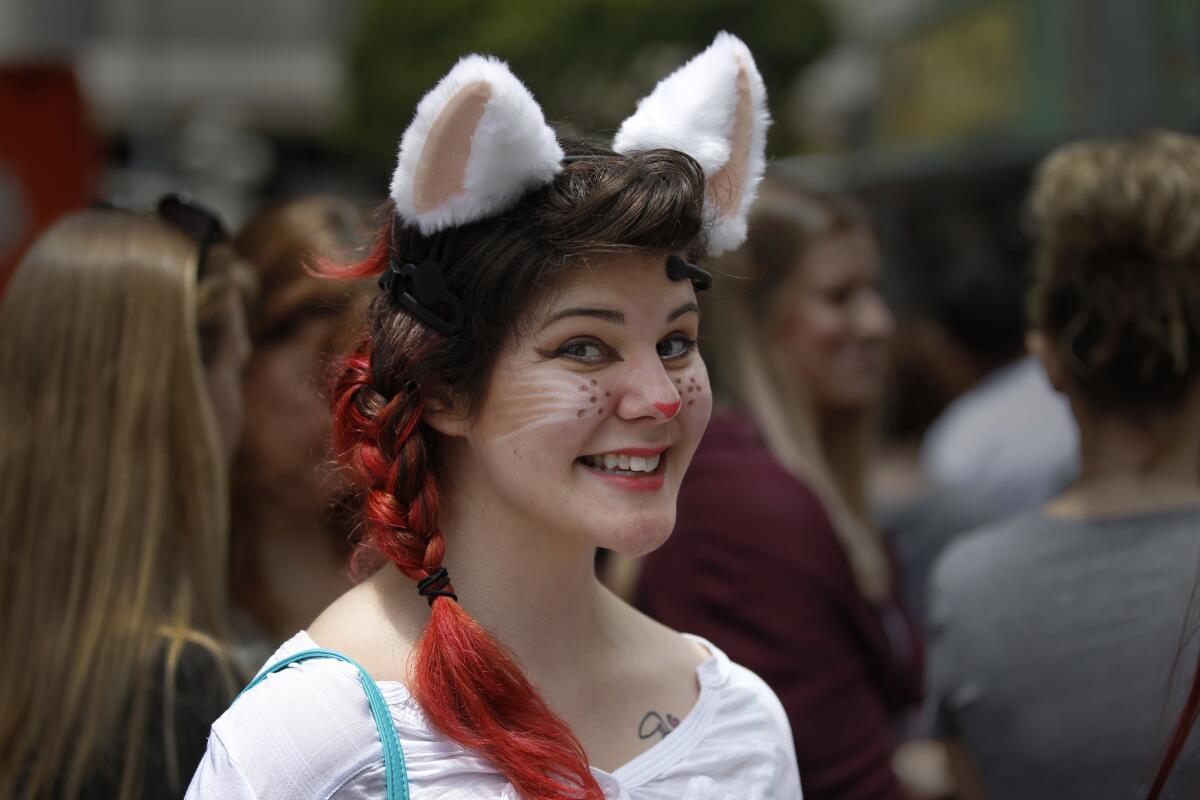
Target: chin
(854,396)
(637,535)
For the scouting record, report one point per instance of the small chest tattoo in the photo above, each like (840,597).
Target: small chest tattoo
(655,724)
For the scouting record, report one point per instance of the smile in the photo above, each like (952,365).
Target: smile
(638,469)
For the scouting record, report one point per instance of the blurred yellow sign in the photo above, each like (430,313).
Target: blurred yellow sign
(965,75)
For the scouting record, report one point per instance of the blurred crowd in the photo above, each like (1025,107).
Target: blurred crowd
(1002,609)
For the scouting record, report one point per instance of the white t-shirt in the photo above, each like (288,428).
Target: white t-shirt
(307,732)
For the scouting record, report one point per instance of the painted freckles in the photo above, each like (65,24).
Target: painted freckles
(690,390)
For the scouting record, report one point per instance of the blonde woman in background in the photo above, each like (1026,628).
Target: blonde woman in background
(122,340)
(775,557)
(291,535)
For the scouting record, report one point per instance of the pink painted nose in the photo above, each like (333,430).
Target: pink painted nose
(669,409)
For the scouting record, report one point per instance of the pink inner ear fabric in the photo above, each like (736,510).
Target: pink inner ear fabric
(442,167)
(726,184)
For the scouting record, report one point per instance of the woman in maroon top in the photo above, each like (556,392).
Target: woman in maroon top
(774,556)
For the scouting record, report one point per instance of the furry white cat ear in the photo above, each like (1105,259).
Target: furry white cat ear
(714,108)
(477,143)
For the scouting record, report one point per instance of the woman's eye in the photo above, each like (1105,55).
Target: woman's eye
(583,350)
(675,347)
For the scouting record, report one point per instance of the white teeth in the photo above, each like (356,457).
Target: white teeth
(616,461)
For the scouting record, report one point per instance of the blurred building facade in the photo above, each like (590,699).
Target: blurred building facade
(185,95)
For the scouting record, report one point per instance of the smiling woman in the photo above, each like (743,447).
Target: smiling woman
(528,389)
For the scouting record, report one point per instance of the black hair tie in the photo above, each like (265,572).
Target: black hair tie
(434,585)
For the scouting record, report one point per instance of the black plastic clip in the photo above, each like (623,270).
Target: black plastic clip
(679,269)
(421,289)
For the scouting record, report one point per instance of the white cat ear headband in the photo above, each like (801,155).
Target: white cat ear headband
(479,142)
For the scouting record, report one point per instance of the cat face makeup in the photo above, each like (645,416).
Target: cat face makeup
(591,418)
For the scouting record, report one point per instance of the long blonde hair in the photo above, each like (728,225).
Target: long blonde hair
(829,455)
(113,496)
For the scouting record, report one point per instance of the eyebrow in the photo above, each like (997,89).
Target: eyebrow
(606,314)
(609,315)
(683,309)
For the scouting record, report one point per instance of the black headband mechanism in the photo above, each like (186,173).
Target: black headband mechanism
(420,288)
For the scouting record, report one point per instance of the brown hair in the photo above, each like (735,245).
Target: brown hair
(1117,285)
(112,494)
(784,224)
(499,268)
(283,244)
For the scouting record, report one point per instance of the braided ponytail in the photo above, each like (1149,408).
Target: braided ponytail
(468,685)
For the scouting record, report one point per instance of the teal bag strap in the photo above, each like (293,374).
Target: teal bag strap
(393,754)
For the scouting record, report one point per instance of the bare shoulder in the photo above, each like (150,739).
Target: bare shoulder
(374,624)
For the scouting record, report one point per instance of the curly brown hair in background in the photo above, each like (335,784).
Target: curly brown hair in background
(1117,284)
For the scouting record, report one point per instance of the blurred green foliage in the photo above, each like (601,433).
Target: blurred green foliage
(586,61)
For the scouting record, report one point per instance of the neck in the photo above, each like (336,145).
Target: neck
(301,571)
(1127,467)
(843,438)
(1166,451)
(536,591)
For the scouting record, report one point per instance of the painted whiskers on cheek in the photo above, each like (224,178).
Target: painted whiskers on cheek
(554,401)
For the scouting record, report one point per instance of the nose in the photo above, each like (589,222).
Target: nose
(648,392)
(875,320)
(669,409)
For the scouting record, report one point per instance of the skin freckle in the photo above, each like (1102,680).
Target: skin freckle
(580,414)
(592,398)
(599,411)
(691,402)
(593,381)
(608,394)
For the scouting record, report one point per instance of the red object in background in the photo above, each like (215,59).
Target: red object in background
(48,154)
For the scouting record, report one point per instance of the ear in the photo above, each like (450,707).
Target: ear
(477,143)
(1039,346)
(714,108)
(446,415)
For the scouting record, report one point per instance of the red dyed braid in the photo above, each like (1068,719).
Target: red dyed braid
(468,685)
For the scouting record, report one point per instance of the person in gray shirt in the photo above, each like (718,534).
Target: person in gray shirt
(1062,641)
